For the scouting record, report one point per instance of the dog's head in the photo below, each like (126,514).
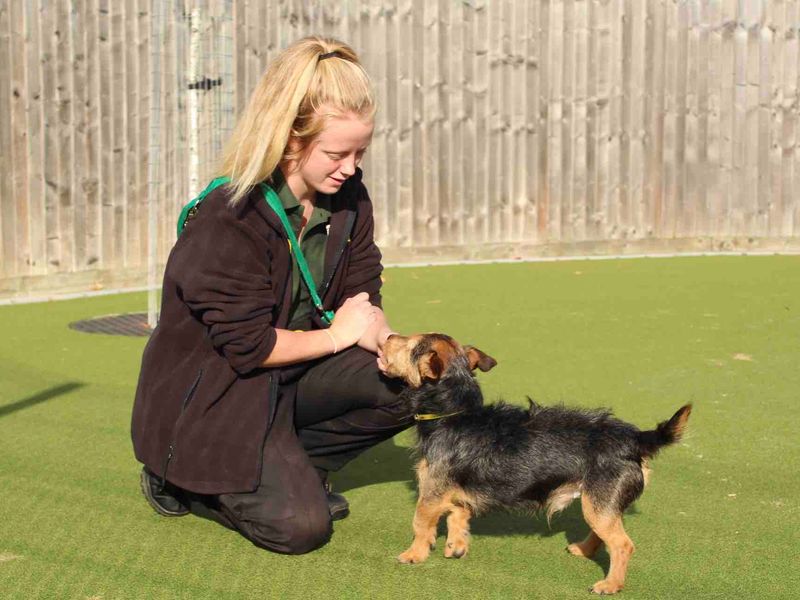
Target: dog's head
(428,356)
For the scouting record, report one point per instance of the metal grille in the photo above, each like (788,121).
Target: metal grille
(131,324)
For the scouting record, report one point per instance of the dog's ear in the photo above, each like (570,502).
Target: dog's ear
(478,359)
(431,366)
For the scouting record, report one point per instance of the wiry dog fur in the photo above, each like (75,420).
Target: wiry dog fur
(474,457)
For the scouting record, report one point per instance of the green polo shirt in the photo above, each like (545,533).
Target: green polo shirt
(312,243)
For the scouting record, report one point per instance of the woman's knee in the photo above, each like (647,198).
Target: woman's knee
(291,536)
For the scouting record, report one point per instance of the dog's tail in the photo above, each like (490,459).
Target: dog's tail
(665,433)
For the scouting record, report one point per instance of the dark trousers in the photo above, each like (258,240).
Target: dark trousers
(343,406)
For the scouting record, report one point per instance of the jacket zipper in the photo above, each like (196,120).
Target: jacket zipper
(184,404)
(345,242)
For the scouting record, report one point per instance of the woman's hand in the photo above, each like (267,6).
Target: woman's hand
(376,333)
(352,319)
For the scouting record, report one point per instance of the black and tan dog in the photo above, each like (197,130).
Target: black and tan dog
(474,457)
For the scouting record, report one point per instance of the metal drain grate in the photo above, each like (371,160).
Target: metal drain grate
(130,324)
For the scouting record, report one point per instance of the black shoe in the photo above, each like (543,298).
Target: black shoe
(162,497)
(337,504)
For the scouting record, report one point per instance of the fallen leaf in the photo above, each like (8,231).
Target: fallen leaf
(740,356)
(7,556)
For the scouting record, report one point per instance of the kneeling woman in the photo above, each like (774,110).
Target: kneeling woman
(261,376)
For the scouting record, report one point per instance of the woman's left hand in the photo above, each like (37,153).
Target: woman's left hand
(376,333)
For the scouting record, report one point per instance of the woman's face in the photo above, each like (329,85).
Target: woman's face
(332,157)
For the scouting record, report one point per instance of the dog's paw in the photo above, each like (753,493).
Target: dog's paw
(455,548)
(412,556)
(580,550)
(604,587)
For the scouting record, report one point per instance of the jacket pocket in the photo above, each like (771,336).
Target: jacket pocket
(173,444)
(190,393)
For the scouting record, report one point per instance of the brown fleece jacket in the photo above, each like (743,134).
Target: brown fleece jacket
(204,403)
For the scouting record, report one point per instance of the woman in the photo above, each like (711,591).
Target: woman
(249,394)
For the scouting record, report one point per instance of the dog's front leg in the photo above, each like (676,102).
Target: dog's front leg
(457,532)
(429,510)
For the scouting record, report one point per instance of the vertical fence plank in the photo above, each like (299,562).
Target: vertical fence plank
(761,81)
(654,187)
(555,27)
(788,109)
(743,128)
(530,66)
(628,29)
(603,119)
(517,127)
(637,132)
(405,192)
(429,79)
(91,109)
(578,118)
(119,138)
(65,95)
(470,142)
(481,55)
(773,38)
(713,179)
(453,56)
(19,128)
(76,25)
(491,204)
(543,100)
(680,209)
(142,126)
(728,97)
(390,110)
(51,154)
(690,206)
(8,220)
(672,81)
(566,68)
(35,150)
(447,121)
(791,211)
(615,83)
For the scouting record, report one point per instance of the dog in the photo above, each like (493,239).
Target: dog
(474,457)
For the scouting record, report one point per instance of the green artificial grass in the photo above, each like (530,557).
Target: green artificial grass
(719,519)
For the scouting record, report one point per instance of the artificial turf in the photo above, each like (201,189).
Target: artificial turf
(720,518)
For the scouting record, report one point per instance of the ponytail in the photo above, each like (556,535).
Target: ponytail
(310,81)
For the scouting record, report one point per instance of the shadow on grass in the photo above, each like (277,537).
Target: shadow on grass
(388,462)
(384,463)
(43,396)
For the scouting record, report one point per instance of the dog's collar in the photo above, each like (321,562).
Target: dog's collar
(434,416)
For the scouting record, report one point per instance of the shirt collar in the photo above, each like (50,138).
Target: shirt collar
(322,207)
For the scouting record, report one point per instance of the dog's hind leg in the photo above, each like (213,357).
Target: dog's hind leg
(606,523)
(457,532)
(587,547)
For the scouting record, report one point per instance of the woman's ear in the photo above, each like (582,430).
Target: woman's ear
(478,359)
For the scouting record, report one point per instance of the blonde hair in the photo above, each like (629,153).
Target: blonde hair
(312,80)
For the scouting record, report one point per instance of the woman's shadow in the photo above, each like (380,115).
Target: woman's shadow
(389,462)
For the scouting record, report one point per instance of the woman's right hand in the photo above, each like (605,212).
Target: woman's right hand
(352,320)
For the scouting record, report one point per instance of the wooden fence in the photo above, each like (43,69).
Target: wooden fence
(506,128)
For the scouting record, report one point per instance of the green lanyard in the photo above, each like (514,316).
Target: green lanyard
(274,202)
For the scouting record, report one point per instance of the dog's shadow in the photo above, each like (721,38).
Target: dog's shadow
(383,463)
(388,462)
